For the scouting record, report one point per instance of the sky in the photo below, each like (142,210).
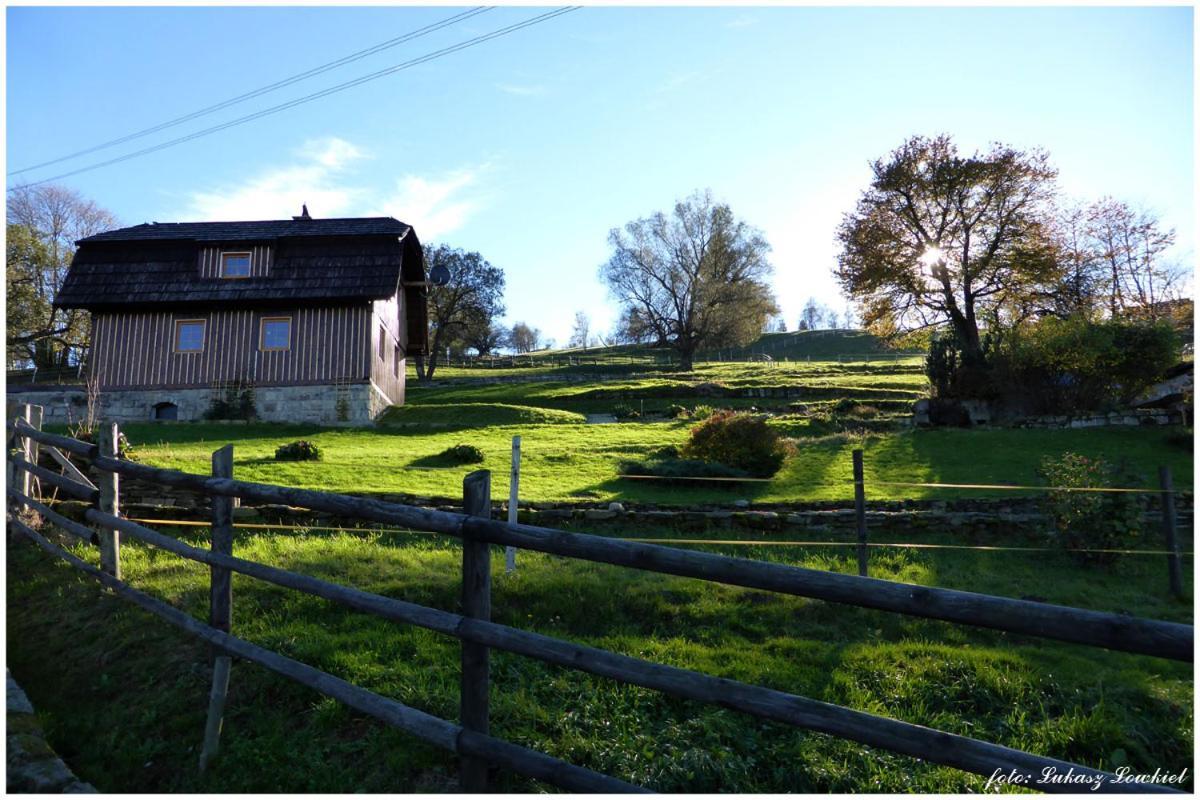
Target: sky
(529,148)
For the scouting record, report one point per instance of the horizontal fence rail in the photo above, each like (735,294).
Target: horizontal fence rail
(1097,628)
(424,726)
(470,739)
(943,748)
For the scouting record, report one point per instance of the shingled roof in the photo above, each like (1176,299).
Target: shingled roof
(262,230)
(313,260)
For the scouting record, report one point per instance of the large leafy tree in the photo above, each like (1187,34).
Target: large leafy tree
(699,275)
(945,238)
(46,220)
(471,299)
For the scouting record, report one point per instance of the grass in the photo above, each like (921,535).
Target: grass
(574,462)
(470,415)
(123,695)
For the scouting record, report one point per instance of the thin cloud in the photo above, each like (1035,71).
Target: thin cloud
(434,206)
(521,91)
(277,193)
(744,21)
(320,177)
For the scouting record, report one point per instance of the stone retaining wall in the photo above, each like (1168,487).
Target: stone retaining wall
(32,766)
(326,404)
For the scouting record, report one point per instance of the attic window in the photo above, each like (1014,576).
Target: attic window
(275,333)
(235,265)
(189,335)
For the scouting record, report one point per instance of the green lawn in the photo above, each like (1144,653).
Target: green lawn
(124,695)
(575,462)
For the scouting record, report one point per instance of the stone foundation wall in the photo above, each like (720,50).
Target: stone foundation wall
(353,404)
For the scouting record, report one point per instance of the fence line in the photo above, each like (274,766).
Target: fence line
(186,523)
(1113,631)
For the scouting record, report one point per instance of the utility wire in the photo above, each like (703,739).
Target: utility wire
(361,54)
(325,92)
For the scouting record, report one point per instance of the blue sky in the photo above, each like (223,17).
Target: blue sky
(531,147)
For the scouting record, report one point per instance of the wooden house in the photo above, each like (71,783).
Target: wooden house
(311,319)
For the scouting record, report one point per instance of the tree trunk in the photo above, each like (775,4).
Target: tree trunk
(687,352)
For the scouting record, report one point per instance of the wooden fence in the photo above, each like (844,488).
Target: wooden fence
(470,738)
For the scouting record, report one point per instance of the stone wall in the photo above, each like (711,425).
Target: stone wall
(980,413)
(352,404)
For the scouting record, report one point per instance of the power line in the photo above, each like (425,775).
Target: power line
(324,92)
(361,54)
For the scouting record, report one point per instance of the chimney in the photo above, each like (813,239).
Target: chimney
(303,212)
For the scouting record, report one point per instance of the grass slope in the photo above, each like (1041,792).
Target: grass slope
(124,695)
(564,462)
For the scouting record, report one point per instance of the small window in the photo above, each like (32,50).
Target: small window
(189,335)
(235,265)
(166,411)
(276,333)
(382,341)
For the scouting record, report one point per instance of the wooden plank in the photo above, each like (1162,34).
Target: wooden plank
(110,502)
(860,512)
(476,604)
(1174,568)
(88,494)
(69,468)
(220,609)
(1094,628)
(21,428)
(514,483)
(33,447)
(425,726)
(69,525)
(935,746)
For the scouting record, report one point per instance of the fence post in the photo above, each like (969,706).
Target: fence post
(860,512)
(476,604)
(110,500)
(32,450)
(220,604)
(514,483)
(1174,570)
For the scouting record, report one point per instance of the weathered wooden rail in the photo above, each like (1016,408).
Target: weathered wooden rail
(470,739)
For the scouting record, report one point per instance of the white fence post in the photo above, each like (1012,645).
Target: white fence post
(514,480)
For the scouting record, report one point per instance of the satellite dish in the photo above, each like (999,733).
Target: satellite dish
(439,275)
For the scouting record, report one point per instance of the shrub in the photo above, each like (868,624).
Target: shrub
(462,454)
(669,467)
(236,402)
(298,451)
(666,451)
(625,411)
(703,411)
(678,412)
(1091,520)
(741,441)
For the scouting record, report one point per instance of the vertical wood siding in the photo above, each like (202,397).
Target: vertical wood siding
(385,321)
(260,259)
(137,349)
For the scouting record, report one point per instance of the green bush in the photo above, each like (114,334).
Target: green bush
(298,451)
(1075,365)
(236,403)
(1091,520)
(462,454)
(703,411)
(671,467)
(678,412)
(741,441)
(626,411)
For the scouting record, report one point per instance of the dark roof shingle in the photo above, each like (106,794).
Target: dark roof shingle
(336,260)
(262,230)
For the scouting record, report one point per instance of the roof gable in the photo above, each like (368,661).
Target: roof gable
(263,230)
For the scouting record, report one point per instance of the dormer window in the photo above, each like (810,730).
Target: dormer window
(235,264)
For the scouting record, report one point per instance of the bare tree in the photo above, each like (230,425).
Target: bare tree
(55,217)
(579,331)
(524,339)
(1131,244)
(699,275)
